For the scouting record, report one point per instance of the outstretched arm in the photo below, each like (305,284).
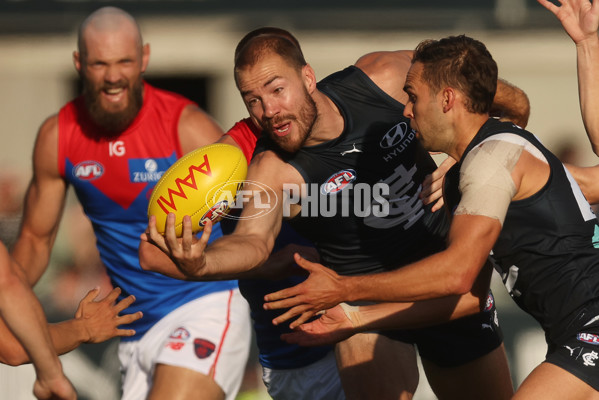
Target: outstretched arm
(232,256)
(342,321)
(24,316)
(452,272)
(580,19)
(95,321)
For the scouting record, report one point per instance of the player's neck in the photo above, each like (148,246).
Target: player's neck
(465,130)
(329,123)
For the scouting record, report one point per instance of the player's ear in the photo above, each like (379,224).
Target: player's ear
(448,98)
(77,60)
(309,78)
(145,57)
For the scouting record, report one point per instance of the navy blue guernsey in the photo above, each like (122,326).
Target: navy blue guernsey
(376,162)
(547,250)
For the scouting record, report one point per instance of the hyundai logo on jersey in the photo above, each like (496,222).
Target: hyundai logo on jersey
(394,135)
(338,181)
(88,170)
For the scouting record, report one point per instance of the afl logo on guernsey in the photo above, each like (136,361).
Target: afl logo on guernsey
(88,170)
(338,181)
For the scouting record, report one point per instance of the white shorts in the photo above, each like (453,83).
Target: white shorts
(317,381)
(210,335)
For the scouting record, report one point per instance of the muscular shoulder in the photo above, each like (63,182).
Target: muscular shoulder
(388,69)
(45,151)
(385,59)
(49,126)
(197,128)
(47,138)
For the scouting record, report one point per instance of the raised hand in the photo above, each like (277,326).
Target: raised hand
(580,18)
(101,318)
(322,290)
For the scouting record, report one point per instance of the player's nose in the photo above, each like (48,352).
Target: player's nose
(112,74)
(270,108)
(408,111)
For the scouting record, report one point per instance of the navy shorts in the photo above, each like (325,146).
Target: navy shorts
(456,342)
(579,355)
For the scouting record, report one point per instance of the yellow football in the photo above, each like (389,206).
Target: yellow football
(202,184)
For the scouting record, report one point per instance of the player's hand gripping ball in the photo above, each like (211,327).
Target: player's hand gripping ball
(202,184)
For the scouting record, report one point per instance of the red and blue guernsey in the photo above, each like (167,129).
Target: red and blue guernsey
(113,179)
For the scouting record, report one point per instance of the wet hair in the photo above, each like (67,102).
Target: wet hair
(267,40)
(463,63)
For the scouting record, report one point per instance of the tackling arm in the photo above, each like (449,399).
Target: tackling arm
(450,272)
(342,321)
(388,70)
(95,321)
(510,104)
